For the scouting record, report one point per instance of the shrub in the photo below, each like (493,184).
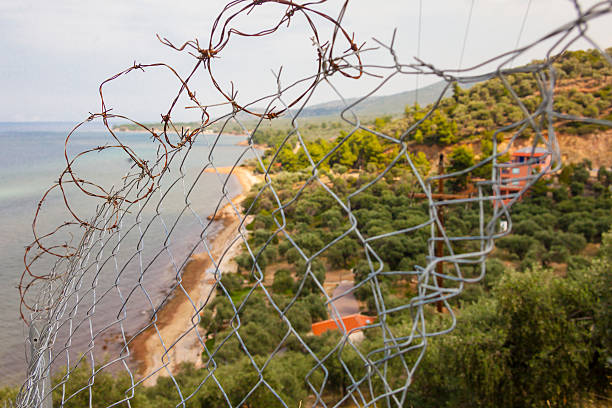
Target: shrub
(532,345)
(283,282)
(516,244)
(231,282)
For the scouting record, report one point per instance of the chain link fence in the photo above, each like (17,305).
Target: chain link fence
(93,292)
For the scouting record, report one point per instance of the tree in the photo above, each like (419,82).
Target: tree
(461,158)
(231,282)
(532,344)
(288,159)
(586,227)
(545,338)
(516,244)
(604,176)
(299,318)
(107,389)
(421,163)
(283,281)
(305,274)
(309,242)
(341,254)
(457,92)
(315,306)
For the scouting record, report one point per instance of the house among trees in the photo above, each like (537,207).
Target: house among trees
(525,162)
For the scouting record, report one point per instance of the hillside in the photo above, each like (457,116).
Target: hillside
(584,88)
(532,332)
(322,120)
(381,105)
(470,116)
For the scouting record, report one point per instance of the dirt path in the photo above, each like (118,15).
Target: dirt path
(175,338)
(346,305)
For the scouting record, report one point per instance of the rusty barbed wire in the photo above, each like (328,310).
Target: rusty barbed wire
(203,58)
(85,244)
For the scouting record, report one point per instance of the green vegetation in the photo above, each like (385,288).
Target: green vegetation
(537,340)
(536,332)
(526,336)
(8,394)
(464,122)
(584,90)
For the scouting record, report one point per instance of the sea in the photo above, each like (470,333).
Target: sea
(125,272)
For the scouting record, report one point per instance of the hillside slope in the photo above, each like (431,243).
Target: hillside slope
(584,88)
(323,120)
(381,105)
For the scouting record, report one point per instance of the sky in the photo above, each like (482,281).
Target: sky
(56,53)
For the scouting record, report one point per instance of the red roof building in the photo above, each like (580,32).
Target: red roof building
(351,322)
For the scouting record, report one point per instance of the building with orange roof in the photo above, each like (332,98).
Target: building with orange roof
(524,163)
(350,322)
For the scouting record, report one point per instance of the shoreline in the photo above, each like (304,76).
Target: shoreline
(160,130)
(246,179)
(241,143)
(176,320)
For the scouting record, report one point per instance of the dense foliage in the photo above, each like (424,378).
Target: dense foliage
(527,336)
(536,332)
(584,89)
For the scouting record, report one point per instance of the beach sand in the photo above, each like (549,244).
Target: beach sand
(176,336)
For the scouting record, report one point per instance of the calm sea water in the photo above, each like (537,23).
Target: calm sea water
(32,157)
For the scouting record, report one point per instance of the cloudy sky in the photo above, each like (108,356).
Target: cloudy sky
(56,53)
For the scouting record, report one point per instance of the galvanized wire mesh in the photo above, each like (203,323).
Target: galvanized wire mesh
(102,263)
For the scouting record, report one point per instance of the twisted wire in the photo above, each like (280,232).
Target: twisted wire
(114,239)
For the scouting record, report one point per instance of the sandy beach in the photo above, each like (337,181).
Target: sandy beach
(176,336)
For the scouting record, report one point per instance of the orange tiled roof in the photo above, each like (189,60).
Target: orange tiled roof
(350,322)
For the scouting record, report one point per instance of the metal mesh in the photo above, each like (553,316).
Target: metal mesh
(89,290)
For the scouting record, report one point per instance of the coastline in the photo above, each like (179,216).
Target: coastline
(243,142)
(138,129)
(177,338)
